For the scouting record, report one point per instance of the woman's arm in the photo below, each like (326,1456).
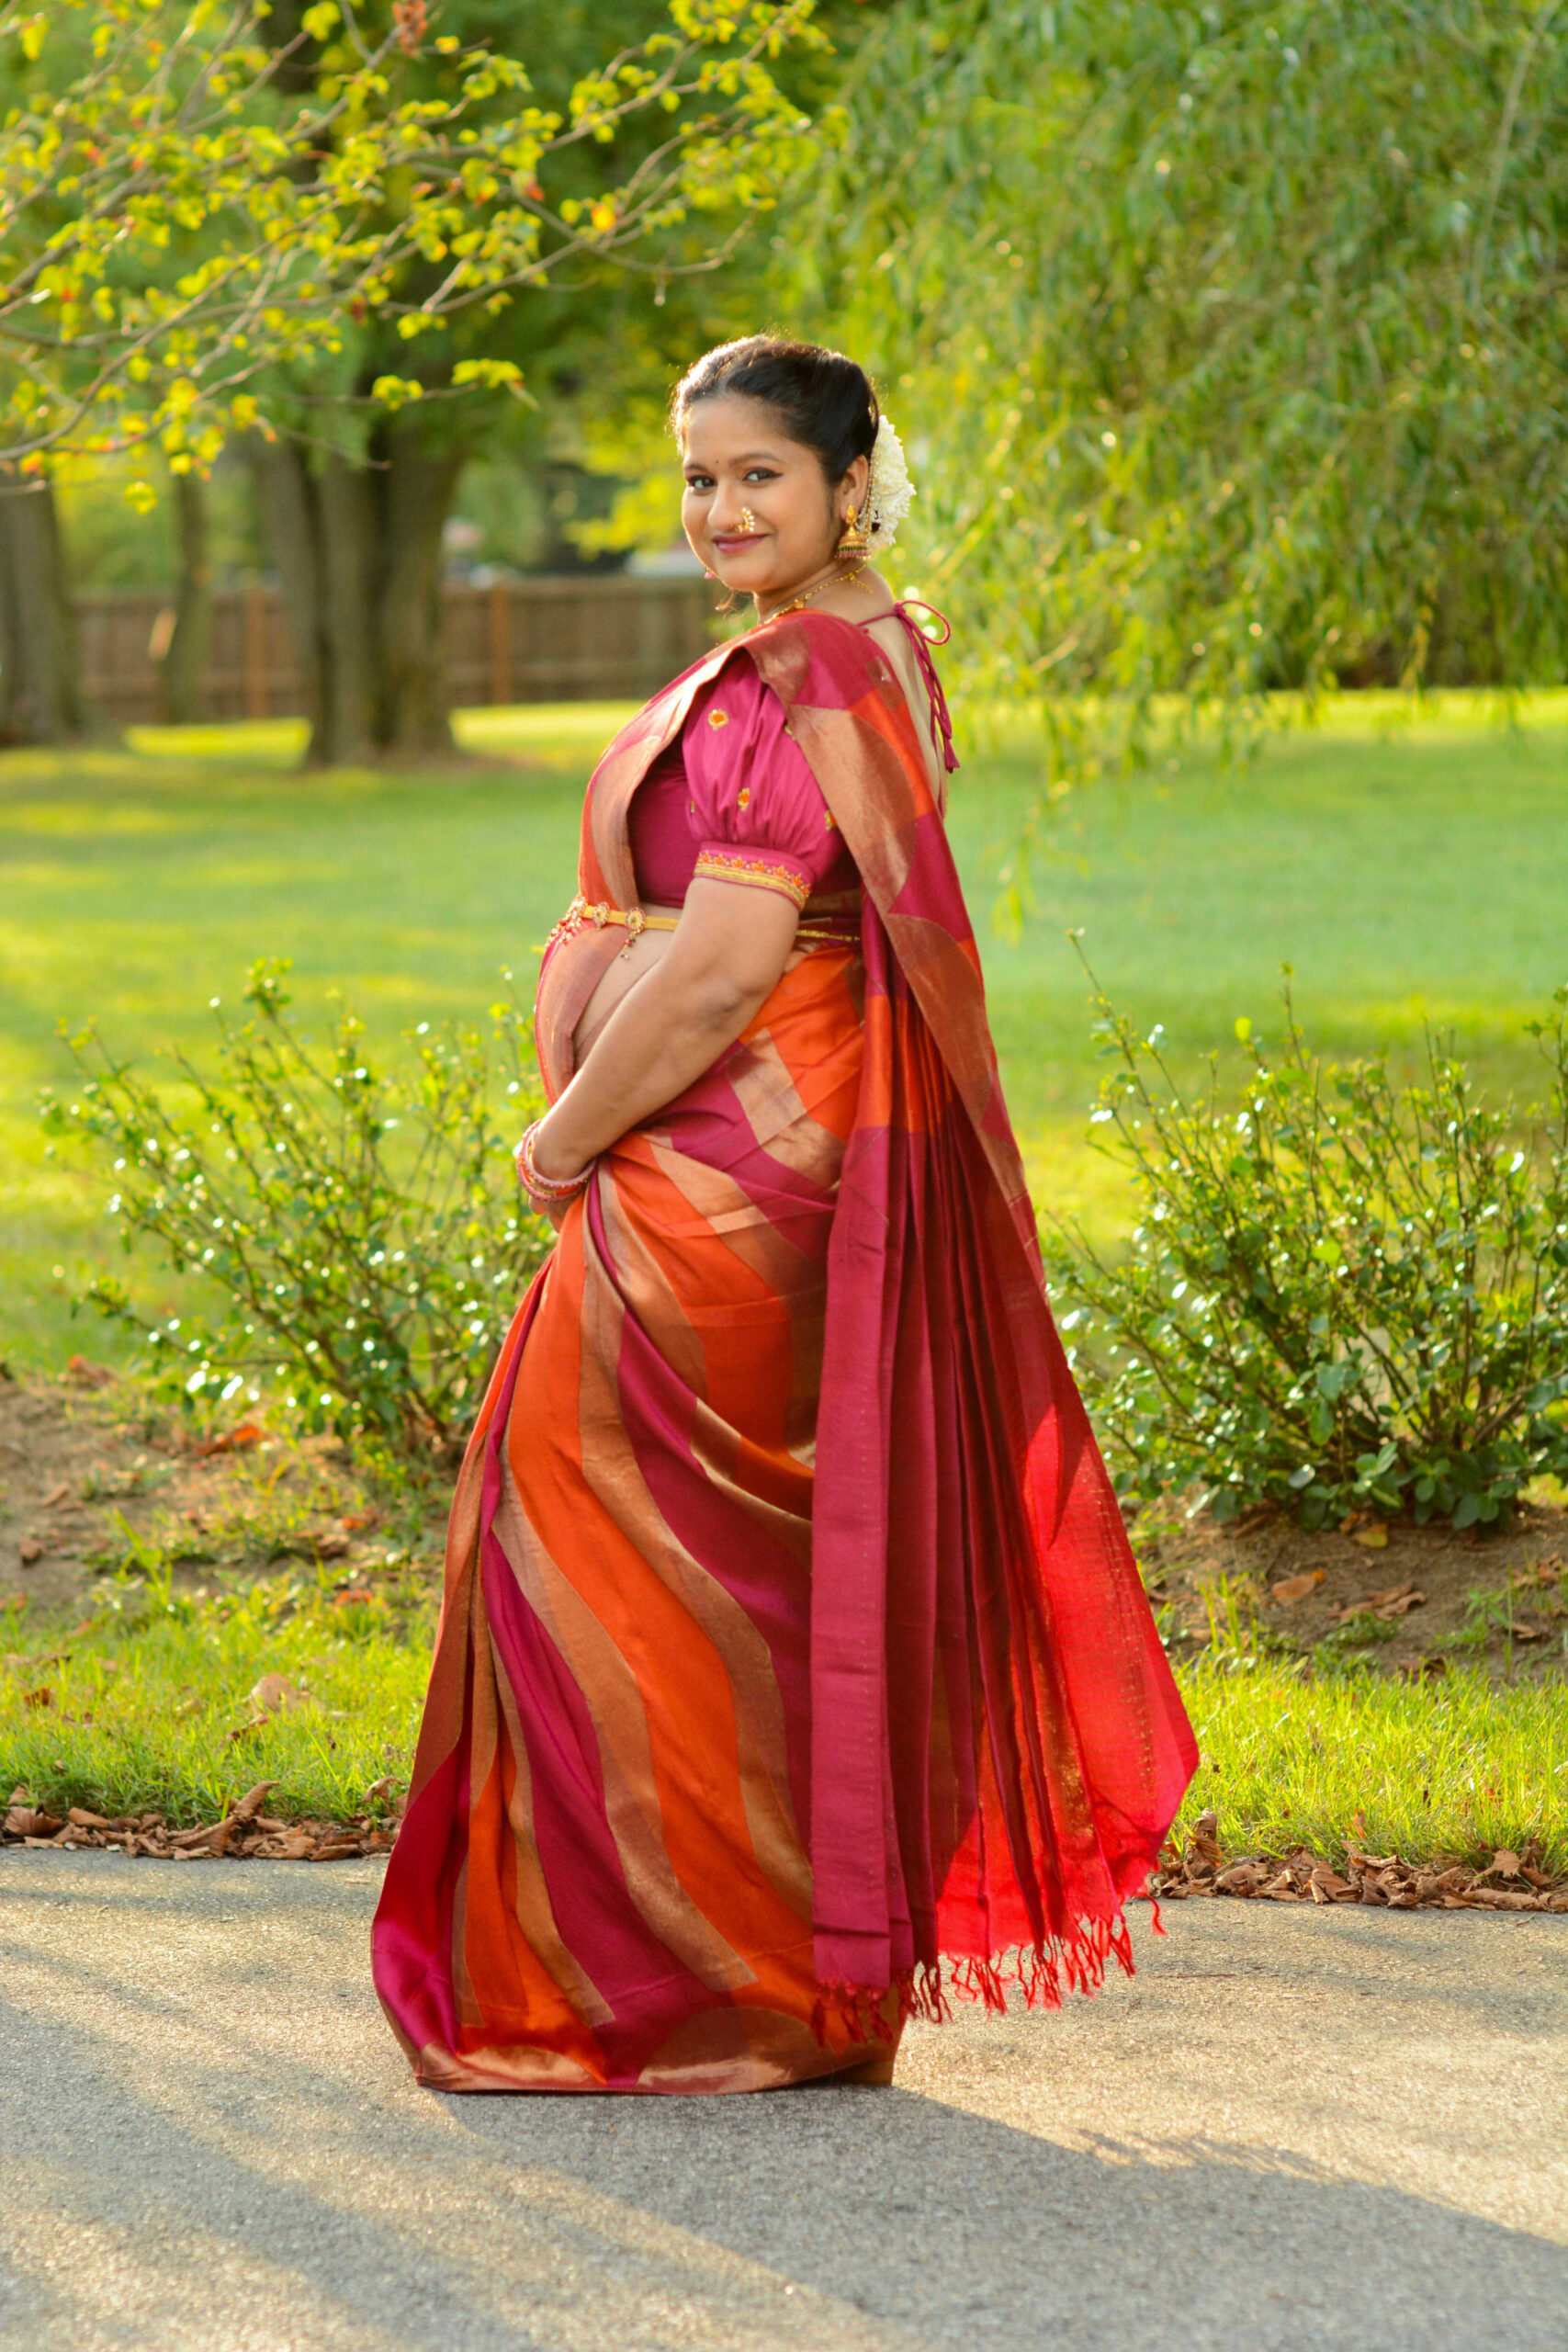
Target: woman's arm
(726,954)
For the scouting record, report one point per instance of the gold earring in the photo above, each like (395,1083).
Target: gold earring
(854,543)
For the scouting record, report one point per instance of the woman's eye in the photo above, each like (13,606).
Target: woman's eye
(699,482)
(762,473)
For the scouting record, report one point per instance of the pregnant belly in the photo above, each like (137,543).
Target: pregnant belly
(647,951)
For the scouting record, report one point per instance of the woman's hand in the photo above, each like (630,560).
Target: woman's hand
(725,957)
(554,1211)
(547,1157)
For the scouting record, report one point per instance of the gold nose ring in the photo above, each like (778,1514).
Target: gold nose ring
(747,520)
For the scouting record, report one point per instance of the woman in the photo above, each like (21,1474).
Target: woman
(791,1641)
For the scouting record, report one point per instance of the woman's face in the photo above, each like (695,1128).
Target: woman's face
(756,508)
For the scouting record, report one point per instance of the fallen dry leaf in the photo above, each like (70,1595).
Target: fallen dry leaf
(352,1595)
(1204,1837)
(235,1440)
(250,1803)
(87,1375)
(1373,1538)
(31,1821)
(29,1550)
(1382,1881)
(55,1495)
(212,1836)
(1396,1601)
(276,1695)
(1296,1588)
(329,1547)
(42,1697)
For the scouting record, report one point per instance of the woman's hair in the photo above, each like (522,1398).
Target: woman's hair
(823,399)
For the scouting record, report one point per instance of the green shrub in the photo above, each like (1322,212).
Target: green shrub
(363,1228)
(1342,1294)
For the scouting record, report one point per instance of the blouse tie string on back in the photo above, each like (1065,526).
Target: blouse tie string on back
(920,645)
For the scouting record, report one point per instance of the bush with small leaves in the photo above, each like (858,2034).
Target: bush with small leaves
(364,1226)
(1343,1293)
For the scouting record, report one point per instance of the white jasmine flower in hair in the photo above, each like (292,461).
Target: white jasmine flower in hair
(890,490)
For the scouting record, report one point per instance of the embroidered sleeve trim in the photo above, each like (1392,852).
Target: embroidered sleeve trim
(717,863)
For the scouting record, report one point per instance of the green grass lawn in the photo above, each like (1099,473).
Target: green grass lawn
(1405,869)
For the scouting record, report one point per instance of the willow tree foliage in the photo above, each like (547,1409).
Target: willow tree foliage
(1233,334)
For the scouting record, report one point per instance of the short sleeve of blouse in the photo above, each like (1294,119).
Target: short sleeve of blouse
(755,809)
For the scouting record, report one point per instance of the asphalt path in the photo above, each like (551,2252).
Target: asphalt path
(1295,2129)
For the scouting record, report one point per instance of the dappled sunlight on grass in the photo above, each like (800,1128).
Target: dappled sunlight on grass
(1376,715)
(270,742)
(527,731)
(85,817)
(543,730)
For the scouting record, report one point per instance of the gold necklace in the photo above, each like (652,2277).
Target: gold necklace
(835,580)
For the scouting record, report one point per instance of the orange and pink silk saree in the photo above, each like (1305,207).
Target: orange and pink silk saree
(791,1645)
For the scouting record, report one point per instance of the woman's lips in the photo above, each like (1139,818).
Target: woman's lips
(729,542)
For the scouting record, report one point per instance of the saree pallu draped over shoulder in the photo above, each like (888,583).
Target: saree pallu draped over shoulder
(792,1643)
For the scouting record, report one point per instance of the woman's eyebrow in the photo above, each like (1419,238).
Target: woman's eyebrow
(745,457)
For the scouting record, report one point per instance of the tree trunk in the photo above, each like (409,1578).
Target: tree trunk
(185,663)
(358,555)
(41,694)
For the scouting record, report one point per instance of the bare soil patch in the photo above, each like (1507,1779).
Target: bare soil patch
(1406,1600)
(89,1471)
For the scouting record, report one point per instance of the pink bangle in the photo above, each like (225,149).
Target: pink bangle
(548,1189)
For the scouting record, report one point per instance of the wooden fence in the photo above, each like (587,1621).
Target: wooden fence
(581,638)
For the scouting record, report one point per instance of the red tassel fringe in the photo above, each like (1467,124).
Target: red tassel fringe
(1074,1963)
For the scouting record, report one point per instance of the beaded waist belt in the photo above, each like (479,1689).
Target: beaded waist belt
(826,931)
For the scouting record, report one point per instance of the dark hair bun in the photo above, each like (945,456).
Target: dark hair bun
(823,400)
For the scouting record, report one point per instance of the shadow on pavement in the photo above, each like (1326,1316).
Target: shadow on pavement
(210,2140)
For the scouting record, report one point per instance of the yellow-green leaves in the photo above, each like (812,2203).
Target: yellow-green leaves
(395,392)
(174,222)
(494,374)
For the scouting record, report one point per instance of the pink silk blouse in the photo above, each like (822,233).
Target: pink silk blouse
(733,800)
